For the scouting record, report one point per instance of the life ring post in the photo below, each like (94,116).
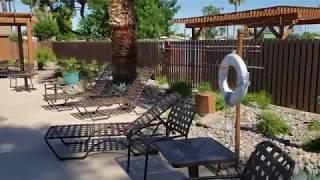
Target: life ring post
(238,112)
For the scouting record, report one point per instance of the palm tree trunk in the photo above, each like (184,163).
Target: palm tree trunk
(123,40)
(4,6)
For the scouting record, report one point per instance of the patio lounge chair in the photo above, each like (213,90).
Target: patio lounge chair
(86,138)
(267,162)
(177,125)
(127,102)
(104,82)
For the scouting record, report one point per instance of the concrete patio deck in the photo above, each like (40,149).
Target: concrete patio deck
(24,154)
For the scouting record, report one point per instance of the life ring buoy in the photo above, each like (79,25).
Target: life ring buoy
(233,97)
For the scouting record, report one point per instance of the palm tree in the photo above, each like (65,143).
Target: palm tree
(123,40)
(236,3)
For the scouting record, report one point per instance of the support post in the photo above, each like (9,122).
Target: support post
(20,47)
(237,131)
(30,44)
(167,58)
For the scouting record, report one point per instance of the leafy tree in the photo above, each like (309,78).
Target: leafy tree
(212,32)
(46,29)
(95,24)
(152,18)
(310,35)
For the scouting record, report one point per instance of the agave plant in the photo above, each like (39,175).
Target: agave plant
(120,89)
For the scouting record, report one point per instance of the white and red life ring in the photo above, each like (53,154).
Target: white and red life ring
(233,97)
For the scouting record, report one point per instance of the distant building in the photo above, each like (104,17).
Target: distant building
(5,46)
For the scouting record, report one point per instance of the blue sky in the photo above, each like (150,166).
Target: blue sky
(191,8)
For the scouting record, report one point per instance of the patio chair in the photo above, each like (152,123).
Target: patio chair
(267,162)
(104,82)
(177,125)
(127,102)
(88,138)
(26,75)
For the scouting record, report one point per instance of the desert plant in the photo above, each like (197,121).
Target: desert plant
(312,145)
(70,65)
(162,79)
(181,87)
(262,99)
(89,70)
(271,124)
(120,89)
(204,87)
(45,55)
(220,104)
(314,125)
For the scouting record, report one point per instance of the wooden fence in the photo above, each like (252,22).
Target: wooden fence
(291,69)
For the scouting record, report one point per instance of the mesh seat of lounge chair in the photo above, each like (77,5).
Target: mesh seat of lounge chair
(267,162)
(127,103)
(85,136)
(104,82)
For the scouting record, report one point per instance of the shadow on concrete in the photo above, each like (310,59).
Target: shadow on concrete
(24,155)
(157,169)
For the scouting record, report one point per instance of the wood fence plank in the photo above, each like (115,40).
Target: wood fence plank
(279,73)
(302,74)
(295,73)
(307,78)
(284,78)
(314,76)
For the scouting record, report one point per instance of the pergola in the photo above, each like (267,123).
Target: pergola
(20,19)
(279,19)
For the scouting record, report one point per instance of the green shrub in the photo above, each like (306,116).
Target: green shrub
(220,104)
(314,125)
(272,124)
(262,99)
(162,79)
(89,70)
(248,99)
(204,87)
(181,87)
(70,65)
(312,145)
(44,55)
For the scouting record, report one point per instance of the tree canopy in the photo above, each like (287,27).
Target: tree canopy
(212,32)
(46,29)
(152,17)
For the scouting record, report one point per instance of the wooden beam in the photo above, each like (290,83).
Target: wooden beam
(196,33)
(30,44)
(14,21)
(274,32)
(258,34)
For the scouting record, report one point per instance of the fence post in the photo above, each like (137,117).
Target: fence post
(167,57)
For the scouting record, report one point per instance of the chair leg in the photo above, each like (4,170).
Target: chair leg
(31,83)
(128,159)
(146,165)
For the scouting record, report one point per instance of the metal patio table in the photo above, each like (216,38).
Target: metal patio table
(194,152)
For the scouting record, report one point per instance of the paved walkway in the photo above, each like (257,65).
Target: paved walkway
(24,154)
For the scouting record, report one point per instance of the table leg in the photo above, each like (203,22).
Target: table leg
(193,171)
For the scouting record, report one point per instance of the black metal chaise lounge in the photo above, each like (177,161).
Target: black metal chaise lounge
(267,162)
(127,103)
(177,125)
(85,138)
(54,99)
